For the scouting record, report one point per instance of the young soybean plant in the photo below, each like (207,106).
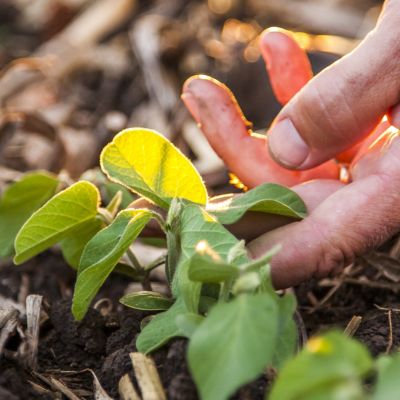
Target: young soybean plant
(221,300)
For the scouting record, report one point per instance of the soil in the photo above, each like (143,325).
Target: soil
(103,340)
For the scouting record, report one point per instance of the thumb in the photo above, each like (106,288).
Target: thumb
(344,103)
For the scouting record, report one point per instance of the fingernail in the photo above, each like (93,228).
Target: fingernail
(192,105)
(286,145)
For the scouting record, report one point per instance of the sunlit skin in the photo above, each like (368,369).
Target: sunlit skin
(340,108)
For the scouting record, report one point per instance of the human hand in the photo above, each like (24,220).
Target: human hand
(332,113)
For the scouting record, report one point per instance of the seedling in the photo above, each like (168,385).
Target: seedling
(221,300)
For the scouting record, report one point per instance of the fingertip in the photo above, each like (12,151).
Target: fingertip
(201,82)
(288,66)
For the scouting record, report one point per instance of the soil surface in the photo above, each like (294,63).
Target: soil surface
(68,351)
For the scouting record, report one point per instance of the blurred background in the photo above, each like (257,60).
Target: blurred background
(75,72)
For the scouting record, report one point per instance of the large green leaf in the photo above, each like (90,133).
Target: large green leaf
(102,254)
(329,367)
(388,385)
(19,201)
(62,215)
(160,329)
(267,198)
(147,163)
(73,245)
(233,345)
(287,331)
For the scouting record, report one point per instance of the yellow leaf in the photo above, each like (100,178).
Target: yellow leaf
(148,164)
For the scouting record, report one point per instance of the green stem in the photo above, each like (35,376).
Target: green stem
(145,279)
(134,261)
(225,291)
(156,263)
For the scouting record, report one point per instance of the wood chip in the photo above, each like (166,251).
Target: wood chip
(9,322)
(66,391)
(9,304)
(352,326)
(126,389)
(33,308)
(99,392)
(39,388)
(147,377)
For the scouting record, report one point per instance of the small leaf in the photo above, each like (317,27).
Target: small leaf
(263,261)
(160,329)
(102,254)
(73,245)
(267,198)
(233,345)
(387,386)
(188,323)
(19,201)
(237,252)
(145,300)
(62,215)
(329,367)
(115,203)
(147,163)
(247,283)
(202,268)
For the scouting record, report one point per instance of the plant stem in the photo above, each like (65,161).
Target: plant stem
(145,280)
(156,263)
(146,284)
(225,291)
(134,261)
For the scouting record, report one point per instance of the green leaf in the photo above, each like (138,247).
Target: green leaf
(203,268)
(188,323)
(73,245)
(186,289)
(233,345)
(102,254)
(146,300)
(147,163)
(115,203)
(388,386)
(61,216)
(19,201)
(160,329)
(267,198)
(247,283)
(264,260)
(287,331)
(329,367)
(197,225)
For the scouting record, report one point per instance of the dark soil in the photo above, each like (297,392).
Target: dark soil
(103,340)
